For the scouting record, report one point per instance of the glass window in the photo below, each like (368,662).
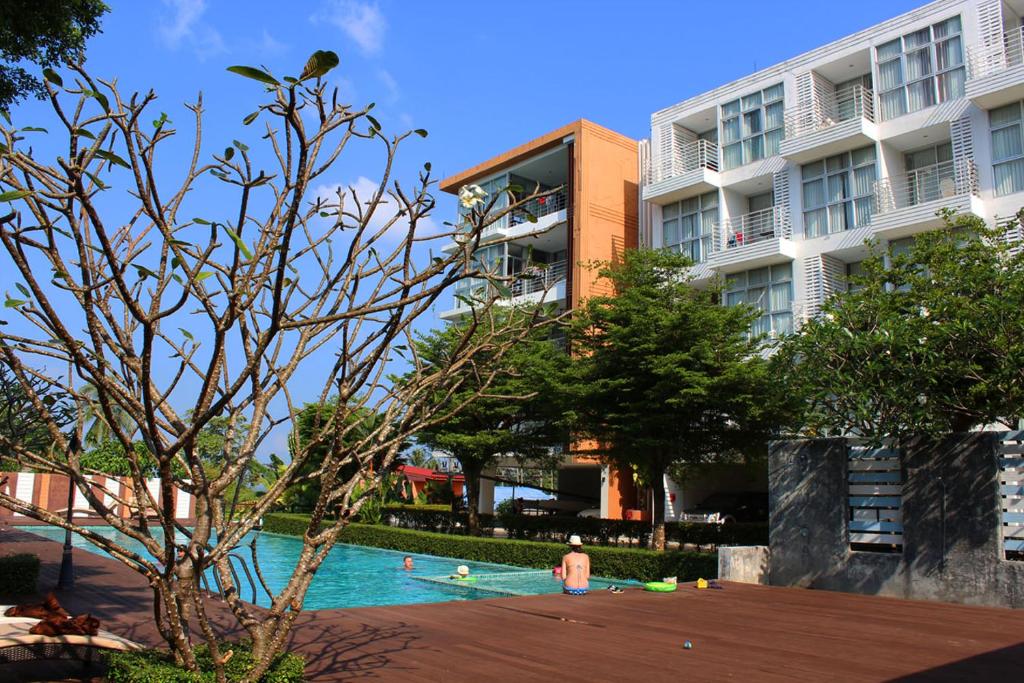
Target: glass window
(921,69)
(770,291)
(838,192)
(1007,148)
(752,127)
(687,226)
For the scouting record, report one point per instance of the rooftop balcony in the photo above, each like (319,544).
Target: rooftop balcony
(836,123)
(752,240)
(995,73)
(691,168)
(909,203)
(542,283)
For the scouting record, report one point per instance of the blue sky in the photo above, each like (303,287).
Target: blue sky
(480,77)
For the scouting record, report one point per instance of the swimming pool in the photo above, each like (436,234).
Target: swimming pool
(357,576)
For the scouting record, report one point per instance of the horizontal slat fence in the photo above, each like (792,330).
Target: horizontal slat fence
(875,489)
(1011,490)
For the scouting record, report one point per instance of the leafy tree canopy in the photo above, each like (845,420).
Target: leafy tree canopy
(930,342)
(21,423)
(664,374)
(44,32)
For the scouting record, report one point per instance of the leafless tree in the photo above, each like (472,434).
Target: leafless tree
(161,321)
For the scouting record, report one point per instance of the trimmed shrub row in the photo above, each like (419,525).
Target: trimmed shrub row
(608,531)
(614,563)
(593,531)
(155,666)
(19,574)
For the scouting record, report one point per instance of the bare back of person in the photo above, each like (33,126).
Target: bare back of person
(576,569)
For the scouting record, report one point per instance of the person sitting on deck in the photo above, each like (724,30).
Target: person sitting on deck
(575,568)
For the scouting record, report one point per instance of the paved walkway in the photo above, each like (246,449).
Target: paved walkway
(743,633)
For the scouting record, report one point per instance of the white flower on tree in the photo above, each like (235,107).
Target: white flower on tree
(471,195)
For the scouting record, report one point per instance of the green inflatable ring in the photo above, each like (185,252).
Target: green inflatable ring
(660,587)
(465,579)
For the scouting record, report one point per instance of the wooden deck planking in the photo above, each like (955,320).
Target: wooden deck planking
(741,633)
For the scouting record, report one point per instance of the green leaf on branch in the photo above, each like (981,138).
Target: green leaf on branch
(93,177)
(255,74)
(143,272)
(250,118)
(187,334)
(51,75)
(228,153)
(238,242)
(421,132)
(99,97)
(21,288)
(203,275)
(319,63)
(373,122)
(13,303)
(14,195)
(33,129)
(201,221)
(112,158)
(242,147)
(82,132)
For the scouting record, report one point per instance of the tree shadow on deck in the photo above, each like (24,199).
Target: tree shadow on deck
(334,652)
(998,665)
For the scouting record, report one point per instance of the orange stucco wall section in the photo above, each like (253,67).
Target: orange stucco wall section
(604,223)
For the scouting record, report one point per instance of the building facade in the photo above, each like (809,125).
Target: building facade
(776,182)
(592,216)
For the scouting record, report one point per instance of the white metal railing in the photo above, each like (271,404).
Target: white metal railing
(939,181)
(751,228)
(684,158)
(851,102)
(539,278)
(1003,54)
(542,206)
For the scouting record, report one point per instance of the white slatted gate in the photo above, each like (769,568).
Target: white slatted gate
(1011,490)
(875,486)
(24,487)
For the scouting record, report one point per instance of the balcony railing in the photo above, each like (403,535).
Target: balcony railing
(753,227)
(852,102)
(1003,54)
(940,181)
(539,278)
(687,157)
(542,206)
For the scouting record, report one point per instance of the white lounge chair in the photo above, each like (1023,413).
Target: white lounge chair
(18,645)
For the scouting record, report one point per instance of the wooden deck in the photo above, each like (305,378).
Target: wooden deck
(743,633)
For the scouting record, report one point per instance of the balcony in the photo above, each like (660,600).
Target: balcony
(548,211)
(537,284)
(909,203)
(691,168)
(753,240)
(995,73)
(836,123)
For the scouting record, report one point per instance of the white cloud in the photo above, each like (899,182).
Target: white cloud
(186,27)
(268,45)
(364,189)
(390,84)
(361,21)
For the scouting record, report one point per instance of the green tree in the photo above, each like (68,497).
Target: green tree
(46,33)
(663,374)
(926,342)
(519,412)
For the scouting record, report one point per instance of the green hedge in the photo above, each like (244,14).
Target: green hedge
(155,666)
(440,520)
(19,574)
(607,531)
(614,563)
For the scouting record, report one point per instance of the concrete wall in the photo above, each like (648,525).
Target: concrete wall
(952,547)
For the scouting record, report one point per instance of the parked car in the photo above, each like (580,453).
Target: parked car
(747,506)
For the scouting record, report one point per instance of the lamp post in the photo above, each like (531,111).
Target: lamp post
(66,578)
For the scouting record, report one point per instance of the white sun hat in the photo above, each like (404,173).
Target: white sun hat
(575,540)
(462,570)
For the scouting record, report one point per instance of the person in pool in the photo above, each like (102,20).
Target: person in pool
(407,563)
(575,568)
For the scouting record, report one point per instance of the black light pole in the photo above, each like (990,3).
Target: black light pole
(66,579)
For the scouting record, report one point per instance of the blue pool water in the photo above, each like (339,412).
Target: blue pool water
(357,576)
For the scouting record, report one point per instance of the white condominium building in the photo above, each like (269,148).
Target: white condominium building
(776,181)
